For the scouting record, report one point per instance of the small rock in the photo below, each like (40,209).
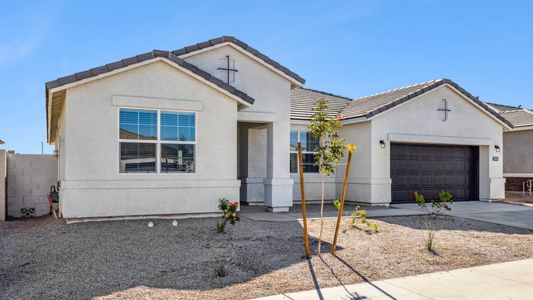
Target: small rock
(174,223)
(150,224)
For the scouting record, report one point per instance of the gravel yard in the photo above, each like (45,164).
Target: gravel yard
(45,258)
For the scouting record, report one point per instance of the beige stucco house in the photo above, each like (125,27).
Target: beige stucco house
(518,144)
(171,132)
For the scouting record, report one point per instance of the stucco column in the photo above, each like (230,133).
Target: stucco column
(278,184)
(3,174)
(492,183)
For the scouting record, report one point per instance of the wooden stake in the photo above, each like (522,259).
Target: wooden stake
(304,213)
(341,206)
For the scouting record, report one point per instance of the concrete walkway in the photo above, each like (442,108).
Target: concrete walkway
(494,212)
(258,213)
(510,280)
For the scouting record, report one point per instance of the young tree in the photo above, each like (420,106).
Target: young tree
(330,150)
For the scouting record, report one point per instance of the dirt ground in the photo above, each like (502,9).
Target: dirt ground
(45,258)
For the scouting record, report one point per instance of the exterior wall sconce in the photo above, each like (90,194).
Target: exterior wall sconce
(497,148)
(382,144)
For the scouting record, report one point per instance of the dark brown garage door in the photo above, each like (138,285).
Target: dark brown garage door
(429,169)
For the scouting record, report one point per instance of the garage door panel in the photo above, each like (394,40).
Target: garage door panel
(430,169)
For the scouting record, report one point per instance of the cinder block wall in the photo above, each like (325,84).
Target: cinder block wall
(3,173)
(29,178)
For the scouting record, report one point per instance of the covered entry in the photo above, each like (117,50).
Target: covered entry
(429,169)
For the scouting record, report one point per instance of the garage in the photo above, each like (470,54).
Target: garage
(429,169)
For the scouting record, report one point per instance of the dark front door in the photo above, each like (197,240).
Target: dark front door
(429,169)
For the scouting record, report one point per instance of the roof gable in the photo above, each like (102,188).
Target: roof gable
(373,105)
(192,49)
(117,65)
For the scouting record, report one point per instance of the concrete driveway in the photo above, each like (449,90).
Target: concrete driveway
(500,213)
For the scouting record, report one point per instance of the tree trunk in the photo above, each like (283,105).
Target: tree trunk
(321,214)
(302,191)
(341,206)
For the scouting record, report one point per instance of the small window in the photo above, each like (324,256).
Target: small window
(143,132)
(309,144)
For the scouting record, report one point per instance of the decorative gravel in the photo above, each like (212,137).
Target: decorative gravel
(45,258)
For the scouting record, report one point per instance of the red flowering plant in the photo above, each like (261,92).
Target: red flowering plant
(229,214)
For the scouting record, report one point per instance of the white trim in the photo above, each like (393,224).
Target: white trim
(438,139)
(158,142)
(160,103)
(250,55)
(518,175)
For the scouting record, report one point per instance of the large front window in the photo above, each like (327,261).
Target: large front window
(309,144)
(156,141)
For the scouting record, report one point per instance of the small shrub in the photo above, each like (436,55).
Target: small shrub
(229,214)
(360,214)
(436,209)
(221,267)
(337,203)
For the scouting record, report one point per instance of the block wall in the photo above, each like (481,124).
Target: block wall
(29,178)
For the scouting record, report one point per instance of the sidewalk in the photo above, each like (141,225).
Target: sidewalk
(510,280)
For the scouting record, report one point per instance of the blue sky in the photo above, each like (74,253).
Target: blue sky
(351,48)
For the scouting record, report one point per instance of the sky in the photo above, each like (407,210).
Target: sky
(350,48)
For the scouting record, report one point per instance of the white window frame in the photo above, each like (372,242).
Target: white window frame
(158,141)
(303,151)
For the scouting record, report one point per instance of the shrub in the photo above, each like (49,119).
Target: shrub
(229,214)
(360,214)
(436,209)
(337,203)
(221,266)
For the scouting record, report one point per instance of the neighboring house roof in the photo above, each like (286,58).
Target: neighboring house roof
(244,46)
(369,106)
(516,115)
(1,142)
(138,59)
(303,100)
(519,118)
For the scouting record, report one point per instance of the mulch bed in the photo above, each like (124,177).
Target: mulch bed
(44,258)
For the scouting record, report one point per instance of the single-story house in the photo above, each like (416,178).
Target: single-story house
(171,132)
(518,144)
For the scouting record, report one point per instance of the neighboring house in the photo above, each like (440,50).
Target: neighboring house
(518,145)
(1,142)
(172,132)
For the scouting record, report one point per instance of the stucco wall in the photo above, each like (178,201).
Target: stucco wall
(518,154)
(91,183)
(29,178)
(419,121)
(360,182)
(271,92)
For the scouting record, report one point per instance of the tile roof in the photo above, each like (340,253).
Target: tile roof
(516,115)
(303,100)
(369,106)
(519,118)
(244,46)
(1,142)
(140,58)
